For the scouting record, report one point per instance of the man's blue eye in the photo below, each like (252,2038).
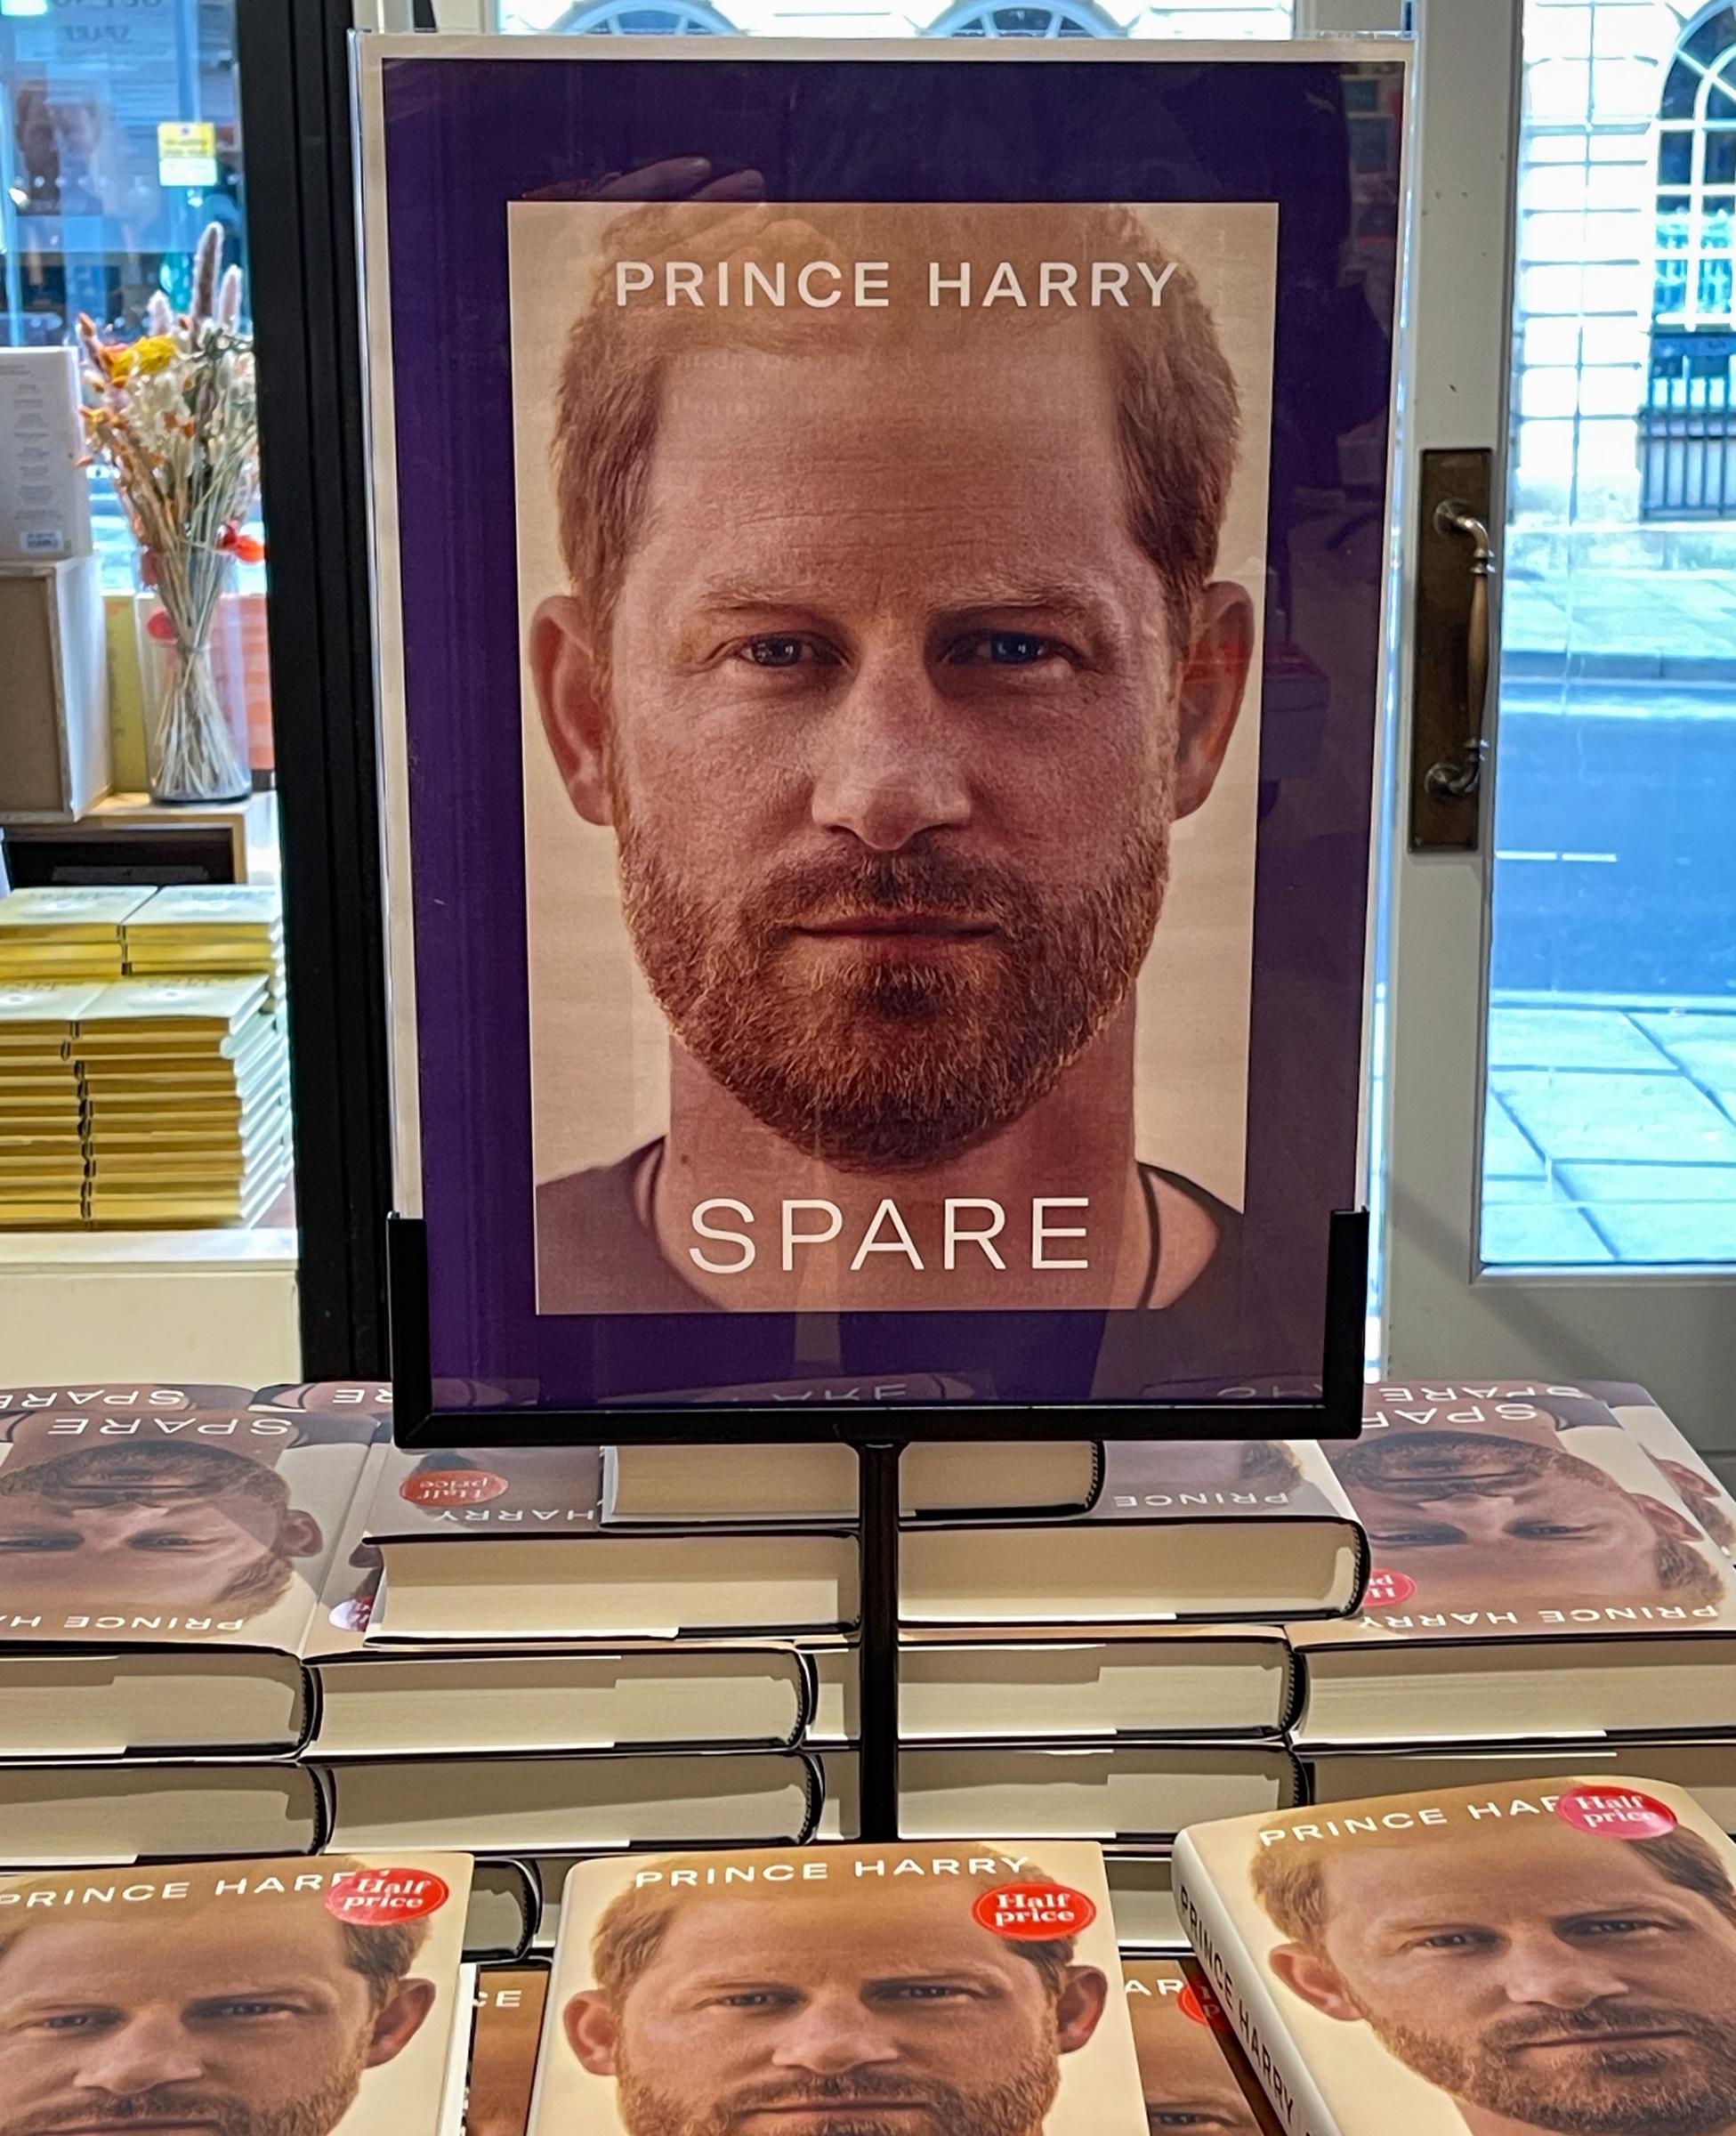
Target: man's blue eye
(776,652)
(1015,648)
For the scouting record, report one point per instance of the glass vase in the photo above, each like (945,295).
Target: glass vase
(196,743)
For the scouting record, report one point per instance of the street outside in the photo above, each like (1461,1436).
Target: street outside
(1611,1128)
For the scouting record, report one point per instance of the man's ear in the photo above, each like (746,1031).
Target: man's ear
(591,2032)
(1674,1525)
(1308,1975)
(301,1536)
(400,2021)
(1214,680)
(575,718)
(1080,2009)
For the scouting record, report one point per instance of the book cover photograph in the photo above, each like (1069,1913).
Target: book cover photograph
(972,1989)
(1498,1512)
(1513,1960)
(503,2059)
(253,1998)
(903,1063)
(1193,2075)
(172,1520)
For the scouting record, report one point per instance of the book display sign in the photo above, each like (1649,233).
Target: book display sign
(879,577)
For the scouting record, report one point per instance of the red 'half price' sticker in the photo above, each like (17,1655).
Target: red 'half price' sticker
(371,1898)
(1616,1813)
(1388,1588)
(453,1487)
(1034,1912)
(1199,2003)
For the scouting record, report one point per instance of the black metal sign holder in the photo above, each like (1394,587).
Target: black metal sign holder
(880,1435)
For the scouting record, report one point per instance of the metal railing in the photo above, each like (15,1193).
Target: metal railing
(1687,431)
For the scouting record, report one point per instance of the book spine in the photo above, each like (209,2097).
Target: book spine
(1249,2003)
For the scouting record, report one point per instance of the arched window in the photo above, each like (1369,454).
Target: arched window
(1688,424)
(1017,19)
(650,19)
(1697,178)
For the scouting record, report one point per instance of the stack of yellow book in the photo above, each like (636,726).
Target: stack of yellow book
(186,1101)
(42,1156)
(208,928)
(75,932)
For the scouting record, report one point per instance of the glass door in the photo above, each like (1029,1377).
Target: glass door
(1563,1001)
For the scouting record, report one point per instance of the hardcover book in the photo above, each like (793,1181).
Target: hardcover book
(59,1814)
(1706,1767)
(1255,1529)
(1503,1960)
(1101,1682)
(1134,1798)
(847,1991)
(161,1550)
(1191,2071)
(1143,1893)
(505,1546)
(510,1999)
(1538,1410)
(259,1997)
(1533,1577)
(647,1483)
(518,1806)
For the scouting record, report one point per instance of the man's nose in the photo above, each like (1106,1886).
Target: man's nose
(1543,1970)
(1480,1517)
(830,2035)
(890,764)
(145,2051)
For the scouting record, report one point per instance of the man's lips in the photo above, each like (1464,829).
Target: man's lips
(1648,2035)
(939,927)
(837,2106)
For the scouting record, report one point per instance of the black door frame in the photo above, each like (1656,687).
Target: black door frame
(298,149)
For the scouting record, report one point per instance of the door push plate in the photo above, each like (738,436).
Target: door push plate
(1455,650)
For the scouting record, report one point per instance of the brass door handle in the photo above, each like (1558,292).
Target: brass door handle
(1454,778)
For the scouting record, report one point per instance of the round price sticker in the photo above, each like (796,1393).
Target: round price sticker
(453,1487)
(1034,1912)
(1203,2007)
(372,1897)
(1388,1588)
(1616,1813)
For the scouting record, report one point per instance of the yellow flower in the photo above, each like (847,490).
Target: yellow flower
(154,353)
(121,361)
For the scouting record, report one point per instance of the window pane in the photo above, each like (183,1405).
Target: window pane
(1612,1105)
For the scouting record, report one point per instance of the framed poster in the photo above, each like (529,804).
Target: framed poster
(879,581)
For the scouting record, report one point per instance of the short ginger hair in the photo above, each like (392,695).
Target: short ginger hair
(631,1932)
(1290,1880)
(1176,407)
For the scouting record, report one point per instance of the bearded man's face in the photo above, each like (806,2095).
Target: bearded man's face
(1569,1983)
(892,782)
(241,2025)
(823,2011)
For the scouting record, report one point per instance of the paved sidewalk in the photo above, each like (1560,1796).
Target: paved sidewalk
(1638,626)
(1611,1134)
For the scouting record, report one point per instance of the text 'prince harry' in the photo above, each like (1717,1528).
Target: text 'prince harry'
(893,651)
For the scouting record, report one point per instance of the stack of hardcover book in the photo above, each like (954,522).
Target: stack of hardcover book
(148,1067)
(209,929)
(1111,1670)
(56,934)
(186,1092)
(42,1113)
(1551,1593)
